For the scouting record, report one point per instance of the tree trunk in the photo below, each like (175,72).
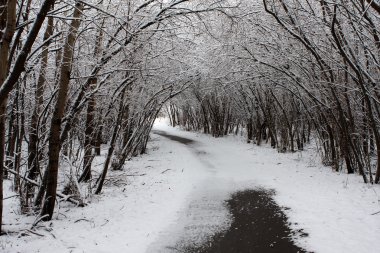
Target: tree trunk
(90,134)
(112,144)
(59,110)
(98,138)
(33,159)
(88,139)
(12,132)
(7,22)
(2,154)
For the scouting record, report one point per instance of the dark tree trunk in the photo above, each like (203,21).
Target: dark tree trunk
(7,28)
(59,110)
(33,154)
(88,140)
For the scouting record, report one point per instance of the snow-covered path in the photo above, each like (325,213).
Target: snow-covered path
(334,209)
(253,222)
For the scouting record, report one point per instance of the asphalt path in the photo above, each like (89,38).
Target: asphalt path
(258,224)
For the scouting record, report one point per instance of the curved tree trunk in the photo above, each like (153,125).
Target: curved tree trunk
(111,148)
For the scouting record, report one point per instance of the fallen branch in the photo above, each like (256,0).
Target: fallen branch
(104,223)
(11,197)
(375,213)
(33,232)
(165,171)
(83,219)
(20,233)
(136,175)
(26,231)
(16,224)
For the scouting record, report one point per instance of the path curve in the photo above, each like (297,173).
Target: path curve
(250,221)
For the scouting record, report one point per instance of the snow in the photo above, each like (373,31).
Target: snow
(146,213)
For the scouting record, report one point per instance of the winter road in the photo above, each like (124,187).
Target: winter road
(253,222)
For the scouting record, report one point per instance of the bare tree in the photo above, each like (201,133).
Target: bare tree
(59,110)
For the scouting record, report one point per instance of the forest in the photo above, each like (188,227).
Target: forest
(77,75)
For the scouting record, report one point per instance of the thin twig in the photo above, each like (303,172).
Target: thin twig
(39,219)
(165,171)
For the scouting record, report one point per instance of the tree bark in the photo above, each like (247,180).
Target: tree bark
(7,22)
(112,144)
(89,137)
(18,67)
(33,160)
(59,110)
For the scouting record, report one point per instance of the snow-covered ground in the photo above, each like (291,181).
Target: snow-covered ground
(147,207)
